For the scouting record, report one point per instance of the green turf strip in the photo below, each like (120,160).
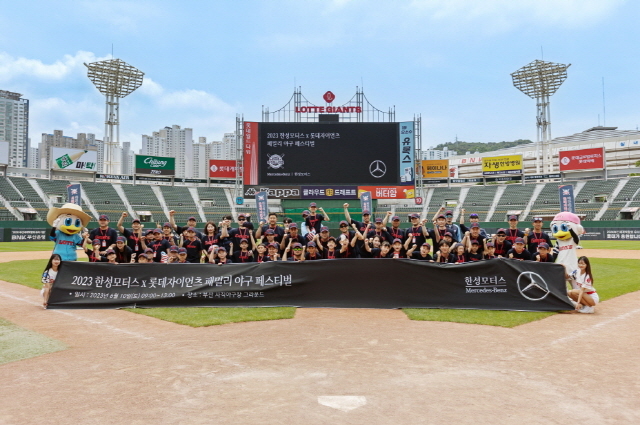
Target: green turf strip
(26,246)
(612,278)
(17,343)
(630,245)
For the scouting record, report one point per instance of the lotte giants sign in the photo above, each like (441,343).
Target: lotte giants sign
(582,159)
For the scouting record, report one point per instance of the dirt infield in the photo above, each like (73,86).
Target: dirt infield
(325,366)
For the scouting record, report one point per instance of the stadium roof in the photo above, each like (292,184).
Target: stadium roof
(597,133)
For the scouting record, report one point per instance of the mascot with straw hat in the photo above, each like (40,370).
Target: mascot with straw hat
(68,222)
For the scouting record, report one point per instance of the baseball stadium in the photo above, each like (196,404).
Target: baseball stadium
(414,312)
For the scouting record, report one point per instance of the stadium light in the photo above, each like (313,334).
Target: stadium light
(539,80)
(115,79)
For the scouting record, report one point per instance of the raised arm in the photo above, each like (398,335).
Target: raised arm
(437,214)
(119,225)
(346,212)
(462,213)
(385,220)
(326,217)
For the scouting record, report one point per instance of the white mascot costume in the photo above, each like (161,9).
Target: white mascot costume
(566,229)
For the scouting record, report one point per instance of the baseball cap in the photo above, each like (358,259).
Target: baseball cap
(378,220)
(103,217)
(395,217)
(222,249)
(366,212)
(490,244)
(427,245)
(244,241)
(537,219)
(448,234)
(242,215)
(501,231)
(296,245)
(311,243)
(543,245)
(110,251)
(191,229)
(273,244)
(306,212)
(270,232)
(313,204)
(167,224)
(440,216)
(148,250)
(475,242)
(344,223)
(121,239)
(96,242)
(149,232)
(449,213)
(513,217)
(414,215)
(157,231)
(173,248)
(519,240)
(397,240)
(182,250)
(191,218)
(135,220)
(473,215)
(293,226)
(324,229)
(475,225)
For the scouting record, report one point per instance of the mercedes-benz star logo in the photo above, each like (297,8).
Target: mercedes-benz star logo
(377,168)
(532,286)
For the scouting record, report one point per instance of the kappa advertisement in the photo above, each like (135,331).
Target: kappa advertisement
(499,284)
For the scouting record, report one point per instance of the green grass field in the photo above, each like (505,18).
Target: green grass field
(25,246)
(613,277)
(17,343)
(631,245)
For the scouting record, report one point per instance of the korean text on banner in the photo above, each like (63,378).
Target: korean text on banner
(407,164)
(261,206)
(365,201)
(74,194)
(582,159)
(567,201)
(508,164)
(250,152)
(436,168)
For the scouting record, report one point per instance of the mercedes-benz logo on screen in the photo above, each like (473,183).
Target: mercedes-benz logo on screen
(377,168)
(532,286)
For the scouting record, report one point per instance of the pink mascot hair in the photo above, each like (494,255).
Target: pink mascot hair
(567,216)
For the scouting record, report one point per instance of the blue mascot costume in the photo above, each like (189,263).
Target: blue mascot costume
(68,222)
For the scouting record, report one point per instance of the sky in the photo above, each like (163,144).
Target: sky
(205,62)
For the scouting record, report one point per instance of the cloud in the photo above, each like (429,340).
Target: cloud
(19,68)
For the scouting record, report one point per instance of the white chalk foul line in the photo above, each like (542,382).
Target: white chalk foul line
(84,319)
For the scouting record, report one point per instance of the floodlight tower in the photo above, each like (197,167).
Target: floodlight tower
(115,79)
(539,80)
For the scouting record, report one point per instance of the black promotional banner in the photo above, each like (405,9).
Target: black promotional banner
(499,284)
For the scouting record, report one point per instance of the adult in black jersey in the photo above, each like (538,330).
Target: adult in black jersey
(418,232)
(191,222)
(193,245)
(234,236)
(537,236)
(314,220)
(473,218)
(105,234)
(440,230)
(272,223)
(422,254)
(474,234)
(513,232)
(501,244)
(294,235)
(122,251)
(544,255)
(135,239)
(324,235)
(350,236)
(518,252)
(168,235)
(381,231)
(394,230)
(210,236)
(362,227)
(159,245)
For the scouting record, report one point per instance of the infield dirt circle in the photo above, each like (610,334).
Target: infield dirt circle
(325,366)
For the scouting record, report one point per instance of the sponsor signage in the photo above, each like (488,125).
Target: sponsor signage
(542,176)
(435,181)
(436,168)
(222,169)
(508,164)
(153,179)
(261,206)
(74,159)
(329,192)
(191,180)
(407,153)
(155,165)
(493,284)
(113,177)
(4,152)
(327,153)
(280,192)
(567,200)
(581,159)
(250,153)
(389,192)
(27,235)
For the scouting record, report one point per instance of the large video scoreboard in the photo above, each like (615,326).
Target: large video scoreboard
(329,154)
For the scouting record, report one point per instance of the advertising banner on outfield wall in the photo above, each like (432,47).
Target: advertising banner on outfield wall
(389,192)
(435,169)
(499,284)
(279,192)
(508,164)
(250,152)
(581,159)
(156,165)
(222,169)
(4,152)
(329,192)
(74,159)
